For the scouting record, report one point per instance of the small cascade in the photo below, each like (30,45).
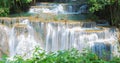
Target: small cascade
(60,9)
(104,51)
(83,9)
(70,8)
(23,40)
(4,40)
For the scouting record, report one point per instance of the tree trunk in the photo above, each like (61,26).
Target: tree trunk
(33,2)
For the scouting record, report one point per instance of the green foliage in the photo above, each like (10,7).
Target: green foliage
(112,7)
(6,5)
(100,4)
(24,1)
(65,56)
(4,11)
(4,58)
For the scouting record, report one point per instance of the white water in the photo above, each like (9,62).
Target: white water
(59,9)
(69,36)
(23,40)
(76,37)
(23,36)
(4,40)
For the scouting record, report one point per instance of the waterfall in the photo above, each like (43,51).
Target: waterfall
(23,35)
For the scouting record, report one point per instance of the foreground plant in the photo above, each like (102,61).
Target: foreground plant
(65,56)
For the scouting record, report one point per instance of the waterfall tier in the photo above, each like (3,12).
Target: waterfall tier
(22,34)
(59,8)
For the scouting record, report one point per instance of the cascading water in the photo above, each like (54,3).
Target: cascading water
(53,36)
(60,9)
(23,40)
(4,40)
(23,35)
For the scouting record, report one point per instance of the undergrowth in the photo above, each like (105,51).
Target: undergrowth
(65,56)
